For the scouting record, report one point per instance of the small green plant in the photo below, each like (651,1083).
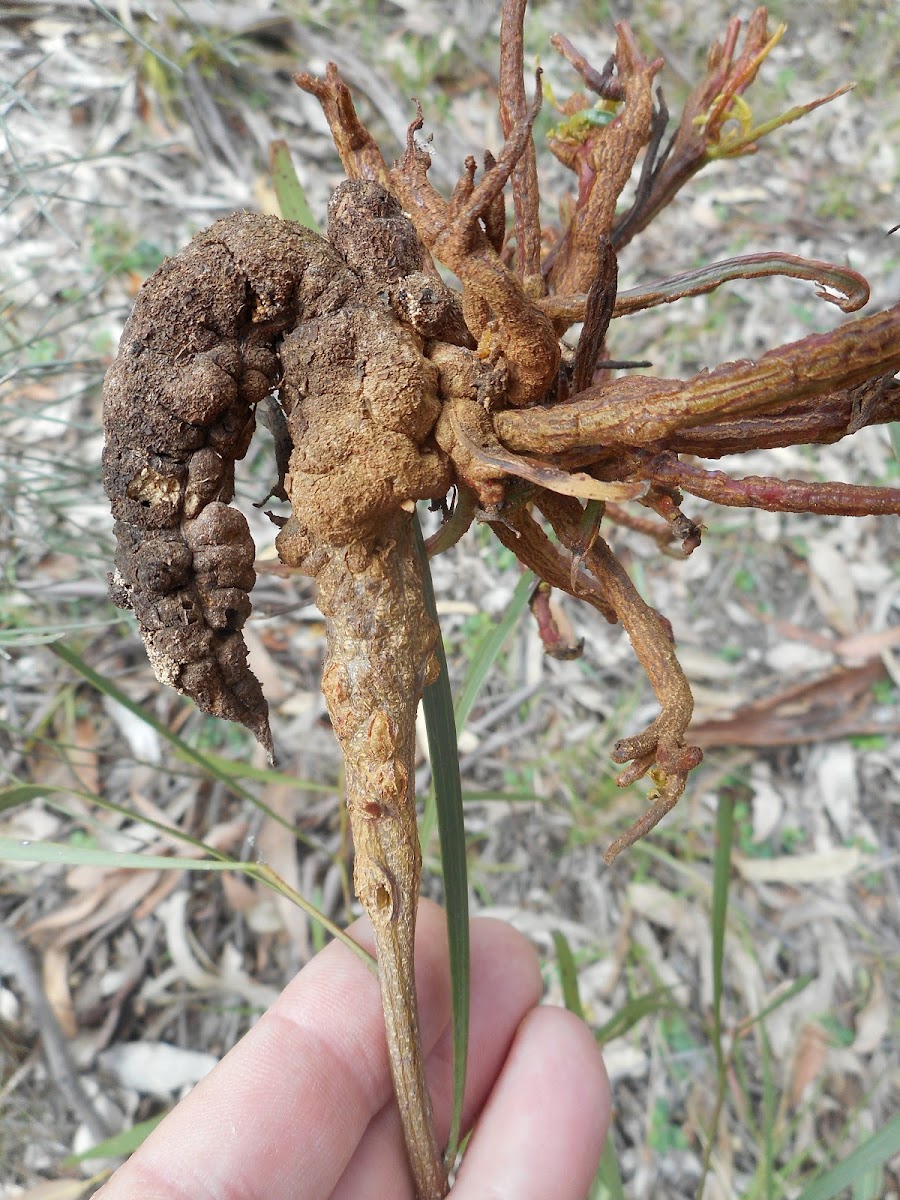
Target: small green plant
(665,1133)
(115,249)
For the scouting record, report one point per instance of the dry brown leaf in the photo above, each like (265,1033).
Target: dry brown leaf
(861,647)
(157,1068)
(142,739)
(745,969)
(227,836)
(82,755)
(118,895)
(166,884)
(835,705)
(852,650)
(240,895)
(872,1021)
(832,587)
(75,909)
(768,805)
(662,907)
(143,783)
(278,847)
(57,1189)
(702,663)
(809,1059)
(264,666)
(796,660)
(55,973)
(48,769)
(838,786)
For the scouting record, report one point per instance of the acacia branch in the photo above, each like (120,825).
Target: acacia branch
(641,410)
(513,110)
(774,495)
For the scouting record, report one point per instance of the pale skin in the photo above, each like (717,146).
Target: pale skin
(302,1108)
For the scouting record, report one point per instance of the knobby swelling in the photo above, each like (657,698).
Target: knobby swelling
(393,387)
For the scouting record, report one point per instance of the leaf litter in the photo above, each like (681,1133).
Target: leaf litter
(95,187)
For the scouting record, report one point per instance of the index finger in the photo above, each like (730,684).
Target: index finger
(282,1114)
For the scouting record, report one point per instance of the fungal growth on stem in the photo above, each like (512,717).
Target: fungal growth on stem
(393,387)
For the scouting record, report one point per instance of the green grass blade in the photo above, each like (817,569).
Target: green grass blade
(789,993)
(607,1183)
(238,769)
(485,654)
(568,975)
(769,1116)
(869,1186)
(444,754)
(118,1146)
(20,793)
(65,855)
(38,636)
(263,873)
(70,855)
(136,37)
(721,880)
(9,797)
(721,874)
(634,1010)
(504,797)
(292,201)
(871,1155)
(207,763)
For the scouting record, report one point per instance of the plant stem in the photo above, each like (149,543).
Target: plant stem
(380,655)
(394,941)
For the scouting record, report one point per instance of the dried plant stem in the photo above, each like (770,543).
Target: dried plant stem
(379,658)
(513,108)
(640,410)
(661,748)
(776,495)
(838,285)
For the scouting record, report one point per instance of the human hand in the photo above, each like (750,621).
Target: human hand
(302,1108)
